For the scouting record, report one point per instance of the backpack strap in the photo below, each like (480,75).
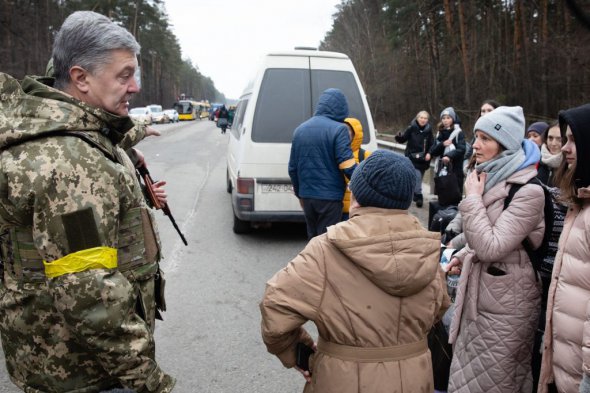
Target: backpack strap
(361,154)
(536,256)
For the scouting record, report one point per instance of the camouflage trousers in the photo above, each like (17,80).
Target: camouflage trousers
(82,333)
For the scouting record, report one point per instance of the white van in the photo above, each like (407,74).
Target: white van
(283,95)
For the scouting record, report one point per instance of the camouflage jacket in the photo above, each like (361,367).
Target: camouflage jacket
(65,185)
(45,177)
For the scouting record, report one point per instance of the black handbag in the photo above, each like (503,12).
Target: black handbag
(446,186)
(420,157)
(441,353)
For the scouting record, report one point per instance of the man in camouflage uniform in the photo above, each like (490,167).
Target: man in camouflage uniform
(78,244)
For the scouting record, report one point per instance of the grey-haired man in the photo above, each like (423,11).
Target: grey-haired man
(80,252)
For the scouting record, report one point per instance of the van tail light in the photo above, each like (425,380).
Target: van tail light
(245,185)
(245,188)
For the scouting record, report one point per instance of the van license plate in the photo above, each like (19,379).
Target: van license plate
(277,188)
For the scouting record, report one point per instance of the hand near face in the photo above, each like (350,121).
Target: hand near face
(475,183)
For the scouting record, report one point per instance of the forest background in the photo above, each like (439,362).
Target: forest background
(410,55)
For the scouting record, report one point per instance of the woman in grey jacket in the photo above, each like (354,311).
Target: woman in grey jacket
(498,300)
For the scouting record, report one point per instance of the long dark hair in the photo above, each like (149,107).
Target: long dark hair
(546,132)
(565,175)
(489,101)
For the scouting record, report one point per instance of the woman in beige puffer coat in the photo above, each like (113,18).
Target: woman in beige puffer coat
(498,300)
(373,287)
(566,355)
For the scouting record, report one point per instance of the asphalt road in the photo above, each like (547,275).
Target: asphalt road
(210,338)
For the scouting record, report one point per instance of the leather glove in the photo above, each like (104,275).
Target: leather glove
(585,385)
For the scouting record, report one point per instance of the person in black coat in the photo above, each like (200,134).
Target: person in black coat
(420,139)
(450,145)
(222,119)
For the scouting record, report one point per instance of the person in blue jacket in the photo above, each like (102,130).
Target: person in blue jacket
(320,155)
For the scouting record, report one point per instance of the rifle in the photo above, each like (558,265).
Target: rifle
(147,179)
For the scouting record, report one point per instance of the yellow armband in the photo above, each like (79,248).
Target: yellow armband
(80,261)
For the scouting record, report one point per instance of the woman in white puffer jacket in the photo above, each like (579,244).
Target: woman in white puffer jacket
(566,357)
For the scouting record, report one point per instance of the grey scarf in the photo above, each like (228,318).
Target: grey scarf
(501,167)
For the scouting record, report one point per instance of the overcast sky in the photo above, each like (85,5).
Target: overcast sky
(226,39)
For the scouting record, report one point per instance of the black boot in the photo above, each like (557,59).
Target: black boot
(419,200)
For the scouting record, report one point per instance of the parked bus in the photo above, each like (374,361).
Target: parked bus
(187,109)
(204,109)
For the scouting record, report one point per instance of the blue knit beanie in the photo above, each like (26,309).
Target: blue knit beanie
(385,179)
(539,127)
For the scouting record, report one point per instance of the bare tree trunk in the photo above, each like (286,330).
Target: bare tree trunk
(435,70)
(568,59)
(448,16)
(7,34)
(517,45)
(544,37)
(464,50)
(135,17)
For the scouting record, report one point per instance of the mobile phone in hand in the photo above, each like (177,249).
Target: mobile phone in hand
(303,354)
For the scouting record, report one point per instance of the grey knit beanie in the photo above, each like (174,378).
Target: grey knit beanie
(505,124)
(385,179)
(451,112)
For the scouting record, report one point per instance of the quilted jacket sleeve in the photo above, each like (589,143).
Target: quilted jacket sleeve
(586,342)
(445,299)
(437,148)
(403,138)
(292,297)
(292,168)
(493,242)
(586,336)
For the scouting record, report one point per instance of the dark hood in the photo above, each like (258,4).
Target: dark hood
(579,121)
(332,104)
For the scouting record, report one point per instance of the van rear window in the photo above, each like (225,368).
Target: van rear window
(343,80)
(284,101)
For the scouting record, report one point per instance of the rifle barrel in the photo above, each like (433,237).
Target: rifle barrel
(165,209)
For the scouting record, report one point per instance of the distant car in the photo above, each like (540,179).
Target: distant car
(141,115)
(158,115)
(172,115)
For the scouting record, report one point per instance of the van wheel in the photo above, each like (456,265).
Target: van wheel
(228,183)
(241,226)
